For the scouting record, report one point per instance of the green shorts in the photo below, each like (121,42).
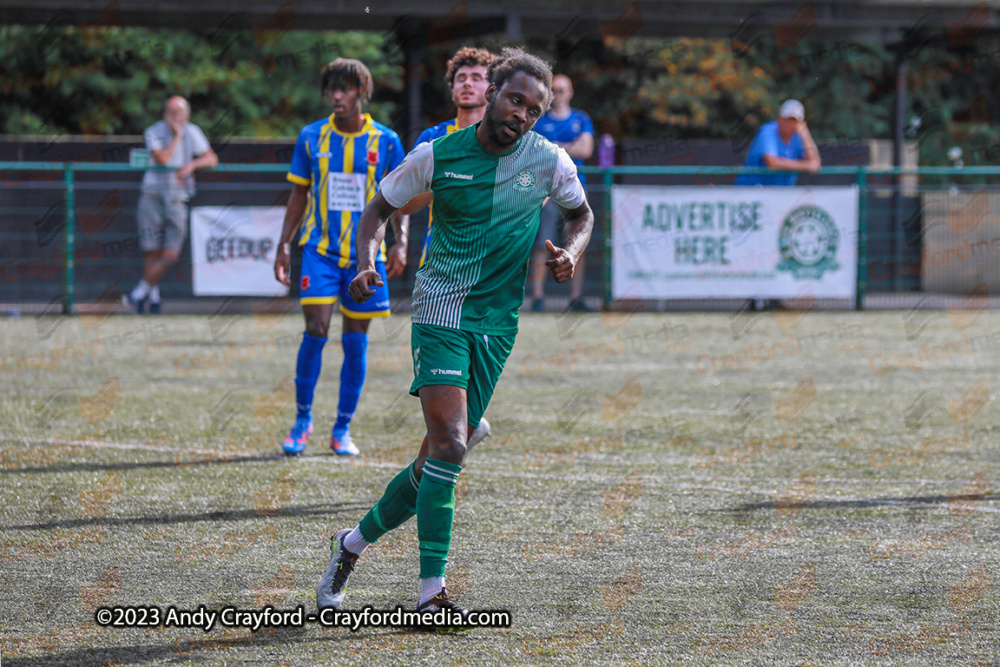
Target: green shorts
(461,359)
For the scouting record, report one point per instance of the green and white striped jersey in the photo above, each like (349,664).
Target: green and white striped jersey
(487,208)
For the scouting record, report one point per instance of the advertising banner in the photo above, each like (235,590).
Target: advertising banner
(233,250)
(734,242)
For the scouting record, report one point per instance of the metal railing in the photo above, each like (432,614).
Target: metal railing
(861,176)
(69,171)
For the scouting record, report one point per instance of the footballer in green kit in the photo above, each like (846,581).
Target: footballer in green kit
(489,183)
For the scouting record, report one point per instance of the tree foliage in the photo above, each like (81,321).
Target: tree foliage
(100,81)
(264,84)
(696,88)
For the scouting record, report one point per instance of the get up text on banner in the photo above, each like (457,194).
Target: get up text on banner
(233,250)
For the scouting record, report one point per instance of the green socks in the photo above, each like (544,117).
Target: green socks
(432,499)
(435,512)
(397,505)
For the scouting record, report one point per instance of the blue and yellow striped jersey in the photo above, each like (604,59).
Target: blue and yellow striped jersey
(439,130)
(427,136)
(343,171)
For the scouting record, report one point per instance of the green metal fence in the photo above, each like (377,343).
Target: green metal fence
(896,208)
(71,174)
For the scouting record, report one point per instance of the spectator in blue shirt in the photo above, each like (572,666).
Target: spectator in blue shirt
(782,144)
(785,143)
(572,130)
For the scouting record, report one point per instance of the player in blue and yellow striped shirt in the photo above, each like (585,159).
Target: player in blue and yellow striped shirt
(336,168)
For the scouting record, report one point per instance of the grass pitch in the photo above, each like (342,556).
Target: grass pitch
(757,489)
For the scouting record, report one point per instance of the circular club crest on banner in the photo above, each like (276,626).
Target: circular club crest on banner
(808,243)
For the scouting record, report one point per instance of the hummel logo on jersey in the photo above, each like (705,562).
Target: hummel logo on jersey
(444,371)
(464,177)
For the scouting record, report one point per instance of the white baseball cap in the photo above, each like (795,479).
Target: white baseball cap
(792,109)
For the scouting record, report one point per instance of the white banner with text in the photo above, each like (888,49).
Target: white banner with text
(233,250)
(734,242)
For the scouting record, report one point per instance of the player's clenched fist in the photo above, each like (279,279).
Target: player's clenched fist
(561,263)
(361,287)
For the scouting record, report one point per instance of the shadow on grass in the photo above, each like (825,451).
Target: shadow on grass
(178,649)
(220,458)
(906,501)
(223,515)
(196,648)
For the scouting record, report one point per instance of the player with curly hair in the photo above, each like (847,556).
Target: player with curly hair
(466,77)
(489,181)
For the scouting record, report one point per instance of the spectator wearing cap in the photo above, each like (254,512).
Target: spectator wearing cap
(784,144)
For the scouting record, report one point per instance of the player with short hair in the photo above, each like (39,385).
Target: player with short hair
(489,181)
(466,76)
(337,165)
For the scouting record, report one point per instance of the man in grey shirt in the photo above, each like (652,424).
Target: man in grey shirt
(163,206)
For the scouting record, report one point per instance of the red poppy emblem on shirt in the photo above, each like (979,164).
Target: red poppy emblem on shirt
(372,157)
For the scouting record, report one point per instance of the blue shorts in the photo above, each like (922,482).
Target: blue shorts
(323,281)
